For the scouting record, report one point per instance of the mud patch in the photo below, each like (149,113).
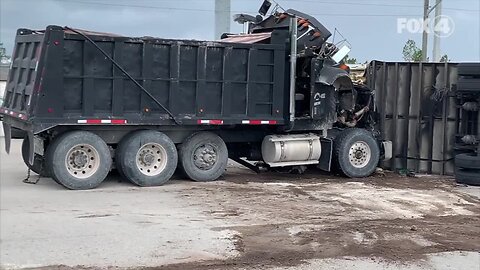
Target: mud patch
(277,219)
(96,216)
(390,240)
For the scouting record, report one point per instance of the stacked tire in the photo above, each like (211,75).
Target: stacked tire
(467,169)
(467,165)
(468,77)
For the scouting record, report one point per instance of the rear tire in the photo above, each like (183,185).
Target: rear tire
(356,153)
(39,166)
(203,157)
(119,154)
(79,160)
(147,158)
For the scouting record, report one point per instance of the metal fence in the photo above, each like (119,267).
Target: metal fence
(417,107)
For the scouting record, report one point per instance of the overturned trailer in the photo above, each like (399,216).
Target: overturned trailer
(274,97)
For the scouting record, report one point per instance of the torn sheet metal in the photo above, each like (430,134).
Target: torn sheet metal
(248,39)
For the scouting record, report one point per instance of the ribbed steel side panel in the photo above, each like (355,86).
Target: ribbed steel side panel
(416,102)
(23,73)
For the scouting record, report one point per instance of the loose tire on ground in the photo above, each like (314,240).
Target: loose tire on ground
(78,160)
(39,166)
(147,158)
(203,157)
(467,161)
(468,176)
(356,153)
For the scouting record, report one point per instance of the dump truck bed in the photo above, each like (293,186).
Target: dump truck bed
(58,77)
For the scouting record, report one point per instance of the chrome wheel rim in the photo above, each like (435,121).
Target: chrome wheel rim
(205,157)
(151,159)
(359,154)
(82,161)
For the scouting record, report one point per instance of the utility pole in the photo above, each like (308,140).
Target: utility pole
(436,39)
(222,17)
(426,6)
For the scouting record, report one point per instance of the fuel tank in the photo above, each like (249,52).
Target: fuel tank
(291,150)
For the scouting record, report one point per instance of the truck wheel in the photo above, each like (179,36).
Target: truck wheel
(38,166)
(467,161)
(467,176)
(203,157)
(356,153)
(147,158)
(79,160)
(118,154)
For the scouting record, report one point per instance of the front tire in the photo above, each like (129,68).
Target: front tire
(147,158)
(356,153)
(203,157)
(79,160)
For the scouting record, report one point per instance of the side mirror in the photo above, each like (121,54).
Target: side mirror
(341,53)
(265,7)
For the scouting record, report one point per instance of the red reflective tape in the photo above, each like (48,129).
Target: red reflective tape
(210,122)
(216,122)
(102,121)
(94,121)
(259,122)
(119,121)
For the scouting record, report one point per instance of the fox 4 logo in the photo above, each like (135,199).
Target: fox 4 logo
(441,26)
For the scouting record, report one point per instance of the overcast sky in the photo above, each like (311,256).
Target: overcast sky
(369,25)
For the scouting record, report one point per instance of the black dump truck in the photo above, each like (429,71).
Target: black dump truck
(272,97)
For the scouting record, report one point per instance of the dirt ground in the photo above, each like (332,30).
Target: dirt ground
(268,220)
(282,220)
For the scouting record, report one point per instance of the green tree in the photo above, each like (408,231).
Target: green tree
(444,59)
(3,52)
(411,52)
(349,60)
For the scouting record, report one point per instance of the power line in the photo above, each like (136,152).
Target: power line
(374,4)
(314,1)
(211,10)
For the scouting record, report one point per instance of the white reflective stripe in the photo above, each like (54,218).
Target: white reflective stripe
(106,121)
(82,121)
(265,122)
(205,121)
(245,121)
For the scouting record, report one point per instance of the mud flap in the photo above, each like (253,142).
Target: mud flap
(31,150)
(7,129)
(387,147)
(325,161)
